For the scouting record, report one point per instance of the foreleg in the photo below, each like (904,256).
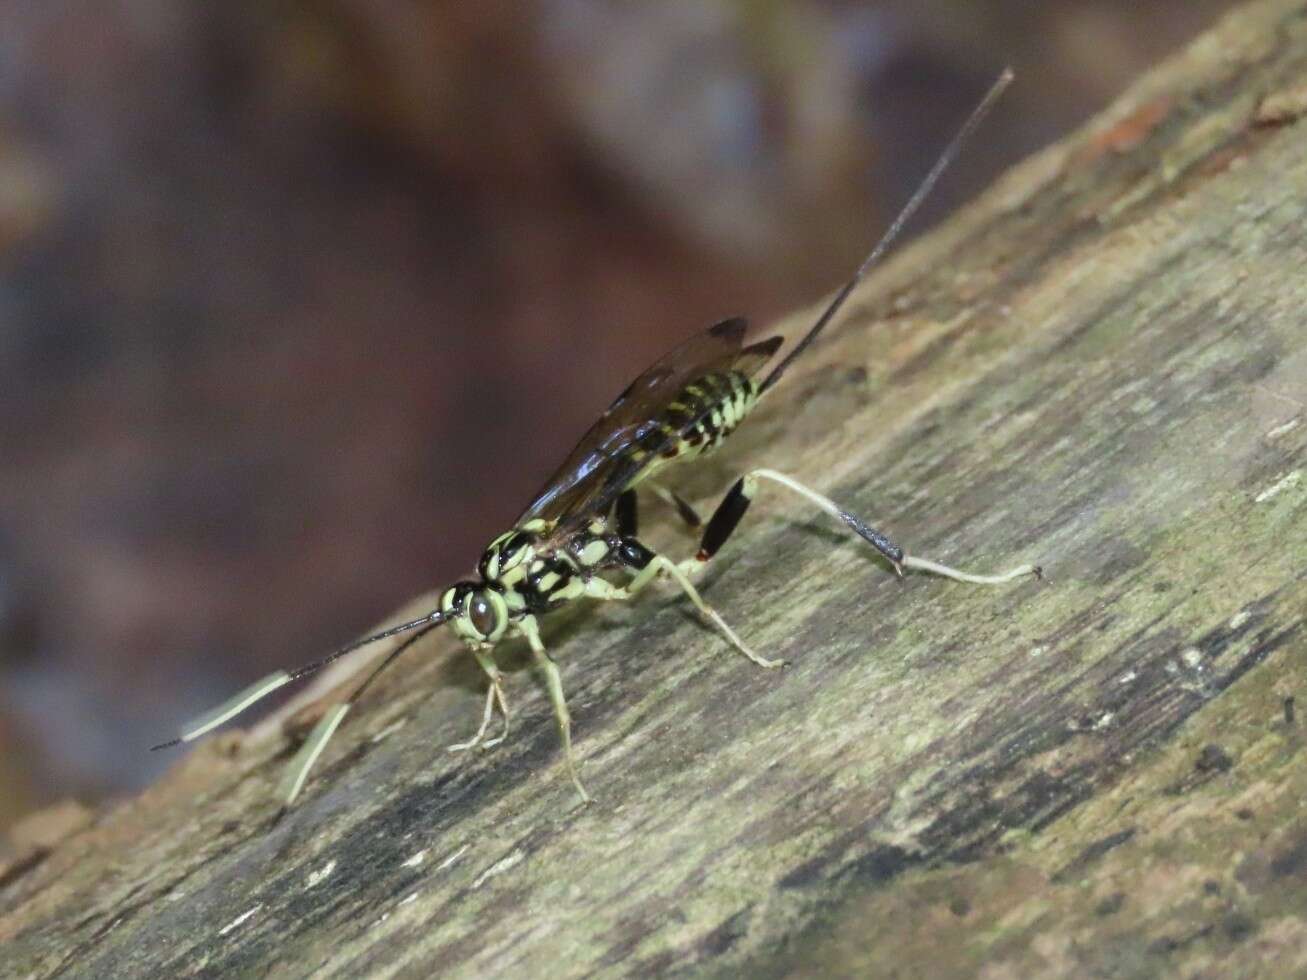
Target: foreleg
(494,695)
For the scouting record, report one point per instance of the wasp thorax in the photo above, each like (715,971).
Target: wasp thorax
(505,559)
(477,612)
(590,551)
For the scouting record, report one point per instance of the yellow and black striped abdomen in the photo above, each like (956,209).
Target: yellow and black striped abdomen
(696,422)
(706,412)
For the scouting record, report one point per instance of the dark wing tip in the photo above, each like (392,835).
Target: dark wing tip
(765,348)
(732,329)
(756,355)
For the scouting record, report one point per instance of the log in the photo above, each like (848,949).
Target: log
(1101,366)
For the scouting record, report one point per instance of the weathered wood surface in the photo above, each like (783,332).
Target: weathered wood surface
(1101,366)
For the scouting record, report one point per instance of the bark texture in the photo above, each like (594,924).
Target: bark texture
(1101,366)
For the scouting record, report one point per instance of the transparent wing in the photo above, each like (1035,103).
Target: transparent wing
(604,462)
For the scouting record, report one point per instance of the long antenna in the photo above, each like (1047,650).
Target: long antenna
(261,689)
(298,771)
(923,190)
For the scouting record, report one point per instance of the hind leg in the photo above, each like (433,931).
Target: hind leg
(626,509)
(736,502)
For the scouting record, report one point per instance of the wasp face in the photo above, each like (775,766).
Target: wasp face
(477,612)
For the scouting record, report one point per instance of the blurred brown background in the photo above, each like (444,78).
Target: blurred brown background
(300,300)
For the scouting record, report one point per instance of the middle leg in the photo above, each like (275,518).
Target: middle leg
(554,684)
(648,566)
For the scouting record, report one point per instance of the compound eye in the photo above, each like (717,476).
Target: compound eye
(482,615)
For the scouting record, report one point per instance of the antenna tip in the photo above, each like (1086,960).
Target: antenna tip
(1007,75)
(166,745)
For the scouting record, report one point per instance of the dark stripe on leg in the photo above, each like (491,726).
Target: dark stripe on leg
(628,520)
(724,520)
(877,540)
(688,513)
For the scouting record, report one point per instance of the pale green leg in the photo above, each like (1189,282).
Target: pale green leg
(598,588)
(683,510)
(692,565)
(298,770)
(554,684)
(494,694)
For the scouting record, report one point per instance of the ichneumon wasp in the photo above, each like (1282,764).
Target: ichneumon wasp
(583,523)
